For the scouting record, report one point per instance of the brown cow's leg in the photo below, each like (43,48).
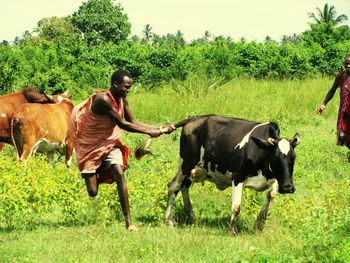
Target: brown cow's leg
(27,149)
(69,150)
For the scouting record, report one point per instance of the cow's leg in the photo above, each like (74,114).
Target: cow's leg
(270,194)
(187,202)
(29,148)
(174,187)
(236,205)
(17,140)
(49,156)
(189,151)
(2,145)
(69,150)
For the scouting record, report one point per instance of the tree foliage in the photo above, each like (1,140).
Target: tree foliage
(80,52)
(100,21)
(327,15)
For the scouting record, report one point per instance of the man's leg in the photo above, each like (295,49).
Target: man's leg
(91,184)
(118,174)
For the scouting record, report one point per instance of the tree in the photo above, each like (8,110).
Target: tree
(293,39)
(207,36)
(55,28)
(100,21)
(327,15)
(179,38)
(147,34)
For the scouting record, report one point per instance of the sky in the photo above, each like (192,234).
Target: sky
(251,19)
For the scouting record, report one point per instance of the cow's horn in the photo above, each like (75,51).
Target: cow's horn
(272,141)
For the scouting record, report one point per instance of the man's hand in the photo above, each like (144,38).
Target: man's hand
(320,109)
(167,129)
(154,133)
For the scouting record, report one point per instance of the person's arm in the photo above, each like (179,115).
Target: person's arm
(102,105)
(329,96)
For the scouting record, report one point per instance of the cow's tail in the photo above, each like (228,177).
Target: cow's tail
(183,122)
(144,149)
(16,139)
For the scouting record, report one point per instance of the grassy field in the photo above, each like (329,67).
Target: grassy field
(46,215)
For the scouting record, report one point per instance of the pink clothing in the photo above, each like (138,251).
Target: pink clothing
(94,135)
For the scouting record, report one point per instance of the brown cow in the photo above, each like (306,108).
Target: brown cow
(42,128)
(9,102)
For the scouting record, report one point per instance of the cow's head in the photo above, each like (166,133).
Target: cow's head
(281,160)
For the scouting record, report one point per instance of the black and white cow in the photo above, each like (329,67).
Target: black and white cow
(233,152)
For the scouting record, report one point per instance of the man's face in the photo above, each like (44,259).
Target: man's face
(123,88)
(347,64)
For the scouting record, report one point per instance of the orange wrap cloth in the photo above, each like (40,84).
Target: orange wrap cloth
(95,135)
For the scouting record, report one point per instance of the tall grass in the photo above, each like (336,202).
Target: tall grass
(312,225)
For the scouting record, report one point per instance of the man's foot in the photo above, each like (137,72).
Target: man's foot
(132,228)
(341,138)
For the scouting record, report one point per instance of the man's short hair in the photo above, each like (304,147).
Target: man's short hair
(119,75)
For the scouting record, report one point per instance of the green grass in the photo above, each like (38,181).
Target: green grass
(46,216)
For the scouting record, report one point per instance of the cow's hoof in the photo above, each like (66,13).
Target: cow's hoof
(190,221)
(132,228)
(259,226)
(232,231)
(171,223)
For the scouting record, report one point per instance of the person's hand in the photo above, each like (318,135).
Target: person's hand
(320,109)
(167,129)
(154,133)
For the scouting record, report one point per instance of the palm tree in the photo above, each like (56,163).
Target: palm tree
(179,38)
(207,36)
(147,33)
(327,15)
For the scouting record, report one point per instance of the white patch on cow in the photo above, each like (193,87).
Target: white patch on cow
(59,98)
(222,181)
(236,198)
(247,136)
(69,162)
(273,189)
(258,183)
(3,115)
(284,146)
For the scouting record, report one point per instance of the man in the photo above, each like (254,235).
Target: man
(96,127)
(342,80)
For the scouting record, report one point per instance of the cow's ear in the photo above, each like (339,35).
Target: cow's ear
(295,140)
(262,143)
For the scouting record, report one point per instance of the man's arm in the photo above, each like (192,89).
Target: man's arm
(329,96)
(102,105)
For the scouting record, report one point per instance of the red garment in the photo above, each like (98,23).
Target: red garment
(343,123)
(95,135)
